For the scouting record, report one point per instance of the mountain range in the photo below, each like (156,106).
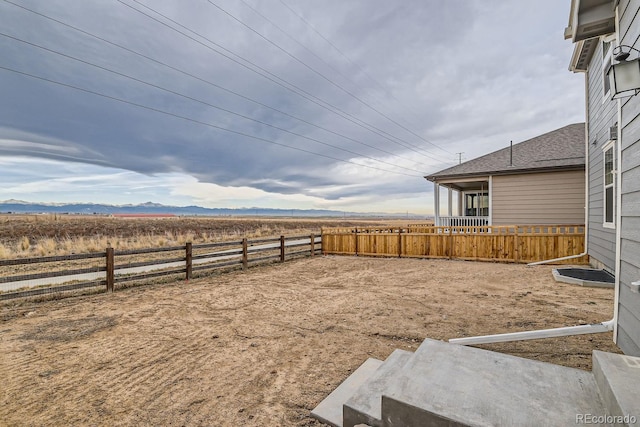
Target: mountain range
(20,206)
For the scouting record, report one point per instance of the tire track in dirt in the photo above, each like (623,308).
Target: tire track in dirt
(262,348)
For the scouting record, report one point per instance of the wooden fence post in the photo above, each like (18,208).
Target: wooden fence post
(189,259)
(399,242)
(450,242)
(245,255)
(516,246)
(282,248)
(313,244)
(356,233)
(322,250)
(110,269)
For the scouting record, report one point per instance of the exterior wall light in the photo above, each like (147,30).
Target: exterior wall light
(624,77)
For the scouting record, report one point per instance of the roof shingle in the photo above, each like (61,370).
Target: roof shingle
(561,148)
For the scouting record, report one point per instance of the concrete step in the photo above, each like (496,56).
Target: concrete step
(618,380)
(329,411)
(364,406)
(446,384)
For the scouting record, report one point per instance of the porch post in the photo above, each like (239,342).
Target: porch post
(436,203)
(460,213)
(450,202)
(490,199)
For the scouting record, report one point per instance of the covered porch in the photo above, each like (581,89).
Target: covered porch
(468,202)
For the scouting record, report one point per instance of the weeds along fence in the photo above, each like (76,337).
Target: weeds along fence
(520,244)
(113,269)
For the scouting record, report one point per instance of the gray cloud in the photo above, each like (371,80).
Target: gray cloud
(456,73)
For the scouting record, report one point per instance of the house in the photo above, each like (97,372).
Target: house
(600,29)
(535,182)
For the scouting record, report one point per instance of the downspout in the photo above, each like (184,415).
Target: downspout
(586,182)
(618,208)
(618,215)
(593,328)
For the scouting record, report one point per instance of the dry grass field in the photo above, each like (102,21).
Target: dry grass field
(41,235)
(263,347)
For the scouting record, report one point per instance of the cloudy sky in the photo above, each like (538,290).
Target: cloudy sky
(305,104)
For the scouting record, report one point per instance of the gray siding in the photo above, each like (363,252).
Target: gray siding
(602,115)
(628,337)
(538,198)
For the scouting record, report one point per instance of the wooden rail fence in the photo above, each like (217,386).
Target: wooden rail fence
(183,261)
(520,244)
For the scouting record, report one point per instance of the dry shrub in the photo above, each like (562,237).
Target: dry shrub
(24,244)
(4,252)
(97,244)
(46,246)
(186,237)
(68,245)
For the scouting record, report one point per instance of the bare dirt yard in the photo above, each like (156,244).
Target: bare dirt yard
(263,347)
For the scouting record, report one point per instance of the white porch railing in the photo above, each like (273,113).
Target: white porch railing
(462,221)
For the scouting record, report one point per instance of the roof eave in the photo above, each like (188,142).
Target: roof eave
(582,54)
(436,178)
(590,18)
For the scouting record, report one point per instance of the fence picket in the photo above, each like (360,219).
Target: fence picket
(499,243)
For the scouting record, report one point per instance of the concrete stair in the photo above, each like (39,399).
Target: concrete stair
(329,411)
(444,384)
(363,407)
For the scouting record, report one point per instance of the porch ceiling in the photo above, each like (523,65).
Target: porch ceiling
(466,185)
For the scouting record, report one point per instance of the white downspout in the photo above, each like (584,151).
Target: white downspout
(618,215)
(593,328)
(586,182)
(618,208)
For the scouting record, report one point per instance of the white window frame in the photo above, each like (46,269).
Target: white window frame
(607,61)
(477,193)
(610,145)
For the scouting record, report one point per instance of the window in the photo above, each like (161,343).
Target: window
(609,185)
(476,204)
(607,60)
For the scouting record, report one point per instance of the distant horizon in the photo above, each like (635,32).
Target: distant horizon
(53,207)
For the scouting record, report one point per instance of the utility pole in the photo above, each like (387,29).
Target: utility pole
(460,157)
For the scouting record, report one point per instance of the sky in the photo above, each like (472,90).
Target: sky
(330,104)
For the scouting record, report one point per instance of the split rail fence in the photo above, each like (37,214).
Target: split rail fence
(519,244)
(115,268)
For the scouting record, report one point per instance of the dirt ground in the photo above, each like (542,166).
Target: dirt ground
(264,347)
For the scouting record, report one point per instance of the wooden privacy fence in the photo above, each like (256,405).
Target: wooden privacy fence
(116,267)
(486,243)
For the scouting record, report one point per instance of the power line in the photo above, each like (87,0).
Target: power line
(334,69)
(206,81)
(359,68)
(273,77)
(192,120)
(293,39)
(202,102)
(295,58)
